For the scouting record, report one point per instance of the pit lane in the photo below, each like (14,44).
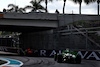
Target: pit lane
(49,62)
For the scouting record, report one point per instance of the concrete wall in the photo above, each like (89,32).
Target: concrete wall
(43,16)
(58,19)
(26,22)
(66,19)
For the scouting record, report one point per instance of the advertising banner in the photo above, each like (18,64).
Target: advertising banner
(89,55)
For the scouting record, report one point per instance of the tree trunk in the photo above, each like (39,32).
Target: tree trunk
(98,7)
(80,8)
(46,4)
(64,7)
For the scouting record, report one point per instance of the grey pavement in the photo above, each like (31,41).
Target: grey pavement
(49,62)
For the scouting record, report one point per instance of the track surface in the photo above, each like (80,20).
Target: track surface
(49,62)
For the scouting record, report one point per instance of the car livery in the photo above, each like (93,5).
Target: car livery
(68,56)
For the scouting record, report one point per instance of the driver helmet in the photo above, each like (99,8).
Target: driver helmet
(67,50)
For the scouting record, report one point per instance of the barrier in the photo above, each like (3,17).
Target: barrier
(1,15)
(89,55)
(11,63)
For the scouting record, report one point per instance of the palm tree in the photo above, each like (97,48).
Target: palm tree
(80,2)
(64,6)
(98,6)
(91,1)
(15,8)
(22,10)
(46,3)
(35,5)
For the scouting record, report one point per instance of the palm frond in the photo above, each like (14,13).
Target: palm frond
(29,7)
(89,1)
(77,1)
(11,5)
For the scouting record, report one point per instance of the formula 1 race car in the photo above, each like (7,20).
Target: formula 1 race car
(68,56)
(31,52)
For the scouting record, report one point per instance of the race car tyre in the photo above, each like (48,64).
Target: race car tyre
(59,58)
(78,59)
(55,57)
(71,60)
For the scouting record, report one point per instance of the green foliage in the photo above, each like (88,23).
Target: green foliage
(77,1)
(15,8)
(89,1)
(35,5)
(5,33)
(87,24)
(80,22)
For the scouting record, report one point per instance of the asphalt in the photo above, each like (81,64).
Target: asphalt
(49,62)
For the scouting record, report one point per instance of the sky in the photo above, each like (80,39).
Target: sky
(52,6)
